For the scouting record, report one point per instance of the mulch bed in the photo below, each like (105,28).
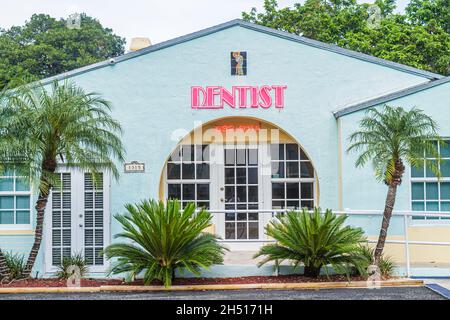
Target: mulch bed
(183,281)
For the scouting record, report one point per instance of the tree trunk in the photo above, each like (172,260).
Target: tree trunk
(40,210)
(4,270)
(49,165)
(388,208)
(311,271)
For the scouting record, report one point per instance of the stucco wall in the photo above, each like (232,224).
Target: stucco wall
(151,99)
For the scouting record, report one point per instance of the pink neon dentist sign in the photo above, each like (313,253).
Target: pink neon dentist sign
(215,97)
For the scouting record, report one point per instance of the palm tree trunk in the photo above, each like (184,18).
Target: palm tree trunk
(49,166)
(40,210)
(311,271)
(387,214)
(4,270)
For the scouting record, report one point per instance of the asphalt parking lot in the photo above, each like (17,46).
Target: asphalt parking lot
(406,293)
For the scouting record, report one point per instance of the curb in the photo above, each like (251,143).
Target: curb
(268,286)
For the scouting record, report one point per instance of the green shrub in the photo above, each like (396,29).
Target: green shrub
(387,265)
(64,268)
(315,240)
(164,238)
(15,263)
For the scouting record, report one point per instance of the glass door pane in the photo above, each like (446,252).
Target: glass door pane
(241,192)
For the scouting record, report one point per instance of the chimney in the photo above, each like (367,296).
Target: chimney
(139,43)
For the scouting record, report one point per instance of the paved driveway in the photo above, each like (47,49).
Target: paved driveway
(413,293)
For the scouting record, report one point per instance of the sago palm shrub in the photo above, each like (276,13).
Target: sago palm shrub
(389,138)
(314,239)
(163,238)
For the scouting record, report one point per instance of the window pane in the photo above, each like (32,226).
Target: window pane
(278,204)
(432,206)
(229,157)
(203,204)
(230,216)
(241,230)
(445,168)
(6,184)
(306,191)
(418,191)
(291,169)
(303,155)
(252,157)
(429,173)
(176,155)
(241,175)
(22,184)
(6,217)
(202,191)
(293,205)
(291,151)
(277,151)
(277,190)
(253,230)
(240,157)
(253,216)
(253,194)
(241,216)
(188,191)
(188,170)
(432,191)
(203,171)
(174,191)
(187,152)
(308,204)
(445,206)
(22,202)
(7,202)
(417,172)
(173,171)
(230,232)
(241,194)
(253,175)
(445,190)
(202,152)
(292,191)
(307,170)
(229,175)
(445,149)
(277,170)
(229,194)
(429,155)
(23,217)
(418,206)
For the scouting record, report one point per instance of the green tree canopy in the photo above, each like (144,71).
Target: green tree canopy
(45,46)
(418,38)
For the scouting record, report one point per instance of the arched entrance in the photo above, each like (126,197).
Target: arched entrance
(243,170)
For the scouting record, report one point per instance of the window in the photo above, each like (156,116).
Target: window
(292,177)
(15,199)
(188,175)
(427,193)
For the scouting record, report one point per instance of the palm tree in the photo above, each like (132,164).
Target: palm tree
(164,238)
(41,126)
(314,239)
(390,138)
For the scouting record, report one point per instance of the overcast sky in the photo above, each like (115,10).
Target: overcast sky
(157,20)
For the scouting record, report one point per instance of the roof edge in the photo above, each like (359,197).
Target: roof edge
(248,25)
(389,97)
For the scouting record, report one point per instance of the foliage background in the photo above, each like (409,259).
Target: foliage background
(45,46)
(419,38)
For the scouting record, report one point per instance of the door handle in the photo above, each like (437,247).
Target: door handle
(221,199)
(80,225)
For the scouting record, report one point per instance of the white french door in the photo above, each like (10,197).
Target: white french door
(77,219)
(240,190)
